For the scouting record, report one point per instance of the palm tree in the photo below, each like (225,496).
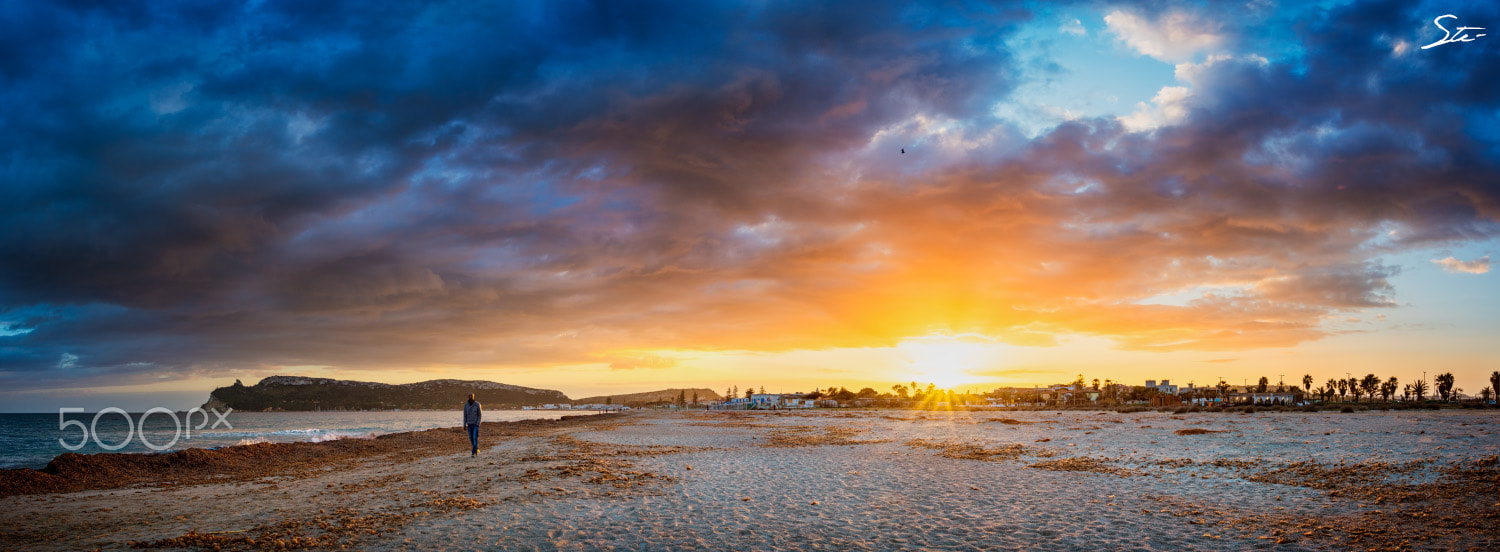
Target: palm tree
(1354,388)
(1307,382)
(1389,387)
(1260,387)
(1495,381)
(1419,389)
(1333,386)
(1371,385)
(1444,384)
(1485,393)
(1405,392)
(1343,387)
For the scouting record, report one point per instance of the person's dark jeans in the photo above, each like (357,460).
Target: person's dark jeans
(474,438)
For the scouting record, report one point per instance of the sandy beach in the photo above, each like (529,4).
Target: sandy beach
(810,480)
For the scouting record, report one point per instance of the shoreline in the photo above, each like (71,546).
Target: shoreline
(73,472)
(32,439)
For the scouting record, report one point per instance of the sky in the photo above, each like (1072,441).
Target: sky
(616,197)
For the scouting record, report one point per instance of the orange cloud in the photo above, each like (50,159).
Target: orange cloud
(1476,266)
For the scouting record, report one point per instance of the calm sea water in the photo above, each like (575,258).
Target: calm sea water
(32,440)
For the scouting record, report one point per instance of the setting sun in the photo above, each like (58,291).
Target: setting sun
(948,361)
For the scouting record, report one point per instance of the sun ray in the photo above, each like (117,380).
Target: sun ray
(948,361)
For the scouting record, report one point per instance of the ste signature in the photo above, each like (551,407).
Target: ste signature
(1460,34)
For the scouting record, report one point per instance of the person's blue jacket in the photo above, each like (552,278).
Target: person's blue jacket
(471,413)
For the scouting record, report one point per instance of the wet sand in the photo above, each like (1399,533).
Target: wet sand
(814,480)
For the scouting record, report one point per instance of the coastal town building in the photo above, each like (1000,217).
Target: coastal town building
(1269,397)
(600,407)
(1042,395)
(798,400)
(772,401)
(1165,387)
(763,400)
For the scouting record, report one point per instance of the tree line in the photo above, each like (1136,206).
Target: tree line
(1368,386)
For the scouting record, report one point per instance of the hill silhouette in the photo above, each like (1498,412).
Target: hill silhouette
(296,393)
(648,398)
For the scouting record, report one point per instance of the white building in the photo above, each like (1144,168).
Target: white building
(1165,388)
(765,399)
(797,400)
(598,407)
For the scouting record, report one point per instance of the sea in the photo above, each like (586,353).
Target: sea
(33,440)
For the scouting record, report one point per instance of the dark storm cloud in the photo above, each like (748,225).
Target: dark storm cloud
(210,188)
(223,177)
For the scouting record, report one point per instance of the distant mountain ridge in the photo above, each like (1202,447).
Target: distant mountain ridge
(298,393)
(653,397)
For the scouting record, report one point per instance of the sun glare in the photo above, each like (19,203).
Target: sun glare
(948,361)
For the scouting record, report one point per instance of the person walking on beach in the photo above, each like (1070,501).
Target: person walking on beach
(472,412)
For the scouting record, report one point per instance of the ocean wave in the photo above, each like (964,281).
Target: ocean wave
(309,431)
(285,432)
(310,435)
(336,435)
